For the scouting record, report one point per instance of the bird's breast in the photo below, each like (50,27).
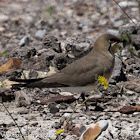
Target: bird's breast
(108,66)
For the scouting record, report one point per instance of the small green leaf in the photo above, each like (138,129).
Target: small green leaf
(126,38)
(49,10)
(4,54)
(131,50)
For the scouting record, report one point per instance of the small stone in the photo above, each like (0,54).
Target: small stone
(24,41)
(42,50)
(56,125)
(70,137)
(82,47)
(91,132)
(103,124)
(116,114)
(2,29)
(22,99)
(71,56)
(102,21)
(10,65)
(114,32)
(51,135)
(33,74)
(1,135)
(124,4)
(54,110)
(30,137)
(124,52)
(24,131)
(136,71)
(50,55)
(134,9)
(118,23)
(27,18)
(66,115)
(11,139)
(102,138)
(3,18)
(23,111)
(52,42)
(60,62)
(40,34)
(129,92)
(66,93)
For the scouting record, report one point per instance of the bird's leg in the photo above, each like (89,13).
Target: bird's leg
(83,98)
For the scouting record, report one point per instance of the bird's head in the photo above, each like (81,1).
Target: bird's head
(107,42)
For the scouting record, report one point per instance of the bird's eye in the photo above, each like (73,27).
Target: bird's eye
(112,40)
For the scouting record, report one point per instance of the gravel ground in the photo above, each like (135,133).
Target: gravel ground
(43,34)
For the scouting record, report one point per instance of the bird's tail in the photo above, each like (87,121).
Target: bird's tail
(23,82)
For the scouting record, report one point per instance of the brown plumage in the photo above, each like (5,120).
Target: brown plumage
(82,74)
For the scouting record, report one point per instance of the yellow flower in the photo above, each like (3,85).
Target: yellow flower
(103,81)
(59,131)
(0,83)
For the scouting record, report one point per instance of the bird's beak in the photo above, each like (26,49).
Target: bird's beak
(115,43)
(119,42)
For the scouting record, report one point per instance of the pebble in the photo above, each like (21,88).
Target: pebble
(112,31)
(94,130)
(102,138)
(124,53)
(50,54)
(136,71)
(116,114)
(129,92)
(24,131)
(71,56)
(40,34)
(118,23)
(31,138)
(3,18)
(103,124)
(114,132)
(27,19)
(24,41)
(72,137)
(54,110)
(22,100)
(15,7)
(66,93)
(135,9)
(51,135)
(11,139)
(23,110)
(127,3)
(2,29)
(66,115)
(82,47)
(102,22)
(1,135)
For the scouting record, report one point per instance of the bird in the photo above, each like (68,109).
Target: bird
(81,75)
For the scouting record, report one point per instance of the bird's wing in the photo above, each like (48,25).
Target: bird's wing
(80,73)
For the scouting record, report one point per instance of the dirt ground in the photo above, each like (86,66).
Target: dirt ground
(48,34)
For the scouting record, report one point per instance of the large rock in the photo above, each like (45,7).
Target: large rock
(134,32)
